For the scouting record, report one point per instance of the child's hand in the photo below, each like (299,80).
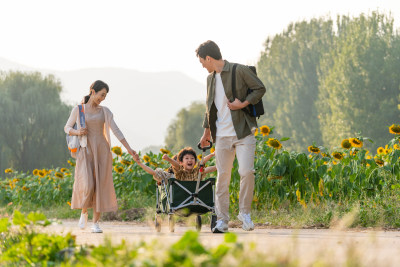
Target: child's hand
(136,158)
(165,157)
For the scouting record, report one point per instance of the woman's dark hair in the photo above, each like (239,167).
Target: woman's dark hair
(210,49)
(186,151)
(96,86)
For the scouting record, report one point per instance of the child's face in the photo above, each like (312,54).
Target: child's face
(188,162)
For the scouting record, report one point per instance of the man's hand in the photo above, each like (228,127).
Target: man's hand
(237,104)
(205,139)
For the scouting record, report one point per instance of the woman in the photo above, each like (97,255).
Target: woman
(93,185)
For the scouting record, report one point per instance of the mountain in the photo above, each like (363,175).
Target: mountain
(143,103)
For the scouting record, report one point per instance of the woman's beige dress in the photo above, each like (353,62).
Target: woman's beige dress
(93,185)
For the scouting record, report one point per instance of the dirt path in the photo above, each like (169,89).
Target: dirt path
(372,248)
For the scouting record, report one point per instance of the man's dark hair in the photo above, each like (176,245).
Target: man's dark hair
(210,49)
(186,151)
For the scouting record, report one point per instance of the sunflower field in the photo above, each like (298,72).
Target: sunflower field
(346,174)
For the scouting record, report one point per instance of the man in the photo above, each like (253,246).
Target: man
(231,128)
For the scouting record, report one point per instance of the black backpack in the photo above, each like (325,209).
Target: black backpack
(253,110)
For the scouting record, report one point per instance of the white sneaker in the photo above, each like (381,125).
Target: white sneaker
(83,220)
(248,225)
(96,228)
(220,227)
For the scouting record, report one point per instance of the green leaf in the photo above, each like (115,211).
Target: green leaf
(36,216)
(284,139)
(4,223)
(19,219)
(230,237)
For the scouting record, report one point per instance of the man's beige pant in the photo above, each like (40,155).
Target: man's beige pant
(225,149)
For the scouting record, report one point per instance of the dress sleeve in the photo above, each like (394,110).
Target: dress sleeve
(114,128)
(71,120)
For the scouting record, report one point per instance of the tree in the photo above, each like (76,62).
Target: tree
(359,80)
(186,129)
(32,116)
(289,68)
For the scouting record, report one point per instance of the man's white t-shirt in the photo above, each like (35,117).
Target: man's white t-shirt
(224,119)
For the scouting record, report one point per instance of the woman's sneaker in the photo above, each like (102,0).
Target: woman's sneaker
(83,220)
(96,228)
(220,227)
(248,225)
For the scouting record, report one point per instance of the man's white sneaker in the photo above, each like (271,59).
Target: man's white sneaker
(220,227)
(83,220)
(248,225)
(96,228)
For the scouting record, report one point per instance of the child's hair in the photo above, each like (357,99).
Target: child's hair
(170,169)
(186,151)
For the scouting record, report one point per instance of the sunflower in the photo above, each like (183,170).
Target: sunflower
(264,130)
(119,169)
(59,175)
(394,129)
(146,158)
(25,188)
(69,203)
(126,162)
(117,150)
(396,146)
(9,170)
(272,142)
(71,163)
(346,144)
(41,173)
(165,151)
(356,142)
(35,172)
(354,152)
(63,170)
(154,164)
(256,132)
(212,150)
(314,149)
(337,155)
(379,162)
(380,150)
(325,155)
(199,157)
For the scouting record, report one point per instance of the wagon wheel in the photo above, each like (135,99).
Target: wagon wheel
(157,223)
(198,223)
(171,222)
(213,221)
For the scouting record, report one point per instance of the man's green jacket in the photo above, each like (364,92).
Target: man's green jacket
(245,78)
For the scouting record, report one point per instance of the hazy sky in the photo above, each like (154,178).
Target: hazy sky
(156,35)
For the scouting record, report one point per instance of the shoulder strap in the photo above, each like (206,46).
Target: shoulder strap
(82,116)
(234,81)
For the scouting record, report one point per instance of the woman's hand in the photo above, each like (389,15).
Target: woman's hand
(136,158)
(82,131)
(132,152)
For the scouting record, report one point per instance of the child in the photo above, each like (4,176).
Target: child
(158,174)
(185,168)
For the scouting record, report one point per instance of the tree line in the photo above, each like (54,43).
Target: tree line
(32,118)
(326,80)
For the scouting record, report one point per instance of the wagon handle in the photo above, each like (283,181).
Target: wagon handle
(206,147)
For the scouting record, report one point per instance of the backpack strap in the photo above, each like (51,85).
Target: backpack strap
(234,81)
(82,116)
